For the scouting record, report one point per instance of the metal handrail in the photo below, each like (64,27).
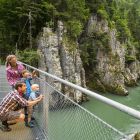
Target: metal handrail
(108,101)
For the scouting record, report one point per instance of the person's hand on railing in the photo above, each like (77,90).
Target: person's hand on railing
(41,97)
(38,99)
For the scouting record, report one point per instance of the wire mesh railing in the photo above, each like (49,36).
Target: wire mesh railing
(61,118)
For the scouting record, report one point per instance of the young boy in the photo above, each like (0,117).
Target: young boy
(27,77)
(27,80)
(35,92)
(33,96)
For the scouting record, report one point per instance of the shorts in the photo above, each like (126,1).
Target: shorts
(8,116)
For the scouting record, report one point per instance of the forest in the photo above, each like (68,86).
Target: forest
(123,15)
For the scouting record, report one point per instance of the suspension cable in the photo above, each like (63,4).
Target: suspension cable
(16,46)
(30,29)
(22,30)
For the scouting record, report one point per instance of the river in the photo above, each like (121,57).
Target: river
(120,120)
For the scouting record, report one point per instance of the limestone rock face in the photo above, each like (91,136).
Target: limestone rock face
(61,62)
(110,72)
(109,69)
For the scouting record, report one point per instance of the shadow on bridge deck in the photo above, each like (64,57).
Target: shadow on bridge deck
(20,131)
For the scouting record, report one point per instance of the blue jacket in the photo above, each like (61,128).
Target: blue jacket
(27,81)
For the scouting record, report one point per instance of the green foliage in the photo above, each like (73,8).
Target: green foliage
(74,28)
(124,15)
(88,53)
(123,30)
(86,48)
(70,44)
(102,14)
(101,40)
(111,24)
(129,59)
(73,13)
(29,56)
(90,46)
(14,14)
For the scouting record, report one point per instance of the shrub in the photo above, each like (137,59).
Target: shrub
(29,56)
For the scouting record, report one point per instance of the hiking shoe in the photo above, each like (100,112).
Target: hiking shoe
(26,123)
(30,124)
(5,128)
(32,118)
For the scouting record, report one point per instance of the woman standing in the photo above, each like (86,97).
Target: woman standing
(13,70)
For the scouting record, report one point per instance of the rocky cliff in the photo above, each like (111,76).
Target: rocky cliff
(109,66)
(110,71)
(61,61)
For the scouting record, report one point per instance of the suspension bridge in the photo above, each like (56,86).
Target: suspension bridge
(60,118)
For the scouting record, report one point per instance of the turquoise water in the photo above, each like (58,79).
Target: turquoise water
(74,123)
(122,121)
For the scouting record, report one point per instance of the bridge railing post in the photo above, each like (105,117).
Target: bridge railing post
(45,104)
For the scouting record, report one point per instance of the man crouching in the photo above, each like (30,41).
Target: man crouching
(9,104)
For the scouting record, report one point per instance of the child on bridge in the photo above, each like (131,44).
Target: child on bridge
(27,77)
(33,96)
